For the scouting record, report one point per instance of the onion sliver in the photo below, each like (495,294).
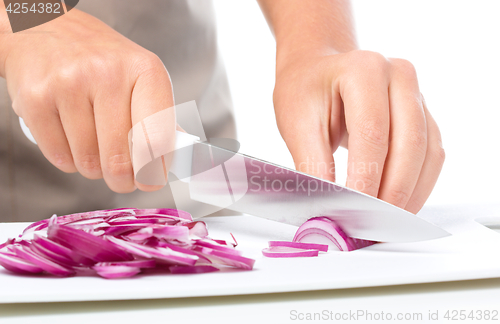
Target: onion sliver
(143,264)
(193,269)
(298,245)
(87,245)
(18,265)
(116,271)
(288,252)
(166,211)
(217,246)
(47,265)
(52,256)
(229,259)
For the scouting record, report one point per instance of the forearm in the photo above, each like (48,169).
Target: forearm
(303,27)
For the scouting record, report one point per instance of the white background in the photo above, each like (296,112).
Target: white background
(455,47)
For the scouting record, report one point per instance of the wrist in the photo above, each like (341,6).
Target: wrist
(301,53)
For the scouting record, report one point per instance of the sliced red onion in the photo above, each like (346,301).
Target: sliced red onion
(129,247)
(75,217)
(167,232)
(166,211)
(324,230)
(15,264)
(143,264)
(121,229)
(288,252)
(116,271)
(51,267)
(234,239)
(298,245)
(52,256)
(192,269)
(87,245)
(9,242)
(229,259)
(162,255)
(197,229)
(185,251)
(217,246)
(118,244)
(61,250)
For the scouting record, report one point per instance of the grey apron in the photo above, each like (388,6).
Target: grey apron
(182,33)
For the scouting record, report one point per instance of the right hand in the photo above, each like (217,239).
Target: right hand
(80,88)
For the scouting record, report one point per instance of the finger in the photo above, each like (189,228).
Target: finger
(77,116)
(43,120)
(112,124)
(434,159)
(313,155)
(408,132)
(365,96)
(153,106)
(312,138)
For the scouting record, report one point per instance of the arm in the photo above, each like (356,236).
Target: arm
(328,93)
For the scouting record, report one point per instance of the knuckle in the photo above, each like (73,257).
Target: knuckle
(63,162)
(371,60)
(36,94)
(149,63)
(34,102)
(404,68)
(69,78)
(398,197)
(105,65)
(119,166)
(90,164)
(373,132)
(438,154)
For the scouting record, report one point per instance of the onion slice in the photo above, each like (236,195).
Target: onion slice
(87,245)
(288,252)
(116,271)
(298,245)
(15,264)
(325,230)
(193,269)
(51,267)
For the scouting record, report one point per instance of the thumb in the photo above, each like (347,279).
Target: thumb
(153,117)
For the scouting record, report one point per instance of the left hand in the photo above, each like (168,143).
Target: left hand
(372,106)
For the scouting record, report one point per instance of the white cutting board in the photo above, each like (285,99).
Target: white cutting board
(472,252)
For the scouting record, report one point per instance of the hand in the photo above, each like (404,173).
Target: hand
(80,88)
(372,106)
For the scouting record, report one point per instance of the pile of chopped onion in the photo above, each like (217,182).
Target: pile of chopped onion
(119,243)
(315,235)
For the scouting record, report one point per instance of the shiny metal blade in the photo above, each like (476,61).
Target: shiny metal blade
(242,183)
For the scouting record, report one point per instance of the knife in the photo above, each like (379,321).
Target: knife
(220,176)
(223,177)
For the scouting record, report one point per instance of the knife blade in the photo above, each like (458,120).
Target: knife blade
(222,177)
(239,182)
